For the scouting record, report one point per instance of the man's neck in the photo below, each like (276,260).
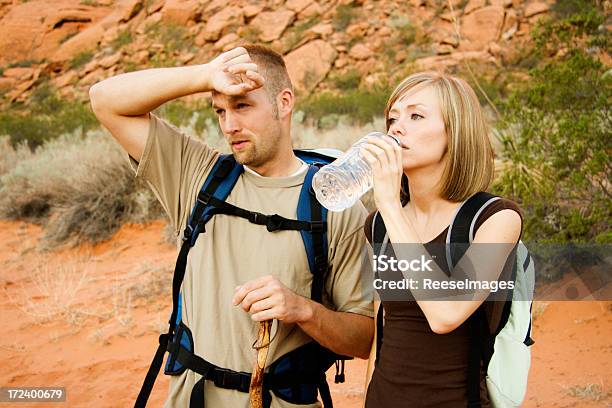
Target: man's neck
(279,168)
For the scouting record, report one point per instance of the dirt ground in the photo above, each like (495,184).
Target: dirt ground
(87,319)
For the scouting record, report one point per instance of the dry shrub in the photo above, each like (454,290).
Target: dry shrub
(80,188)
(593,392)
(10,156)
(538,309)
(150,281)
(146,282)
(56,286)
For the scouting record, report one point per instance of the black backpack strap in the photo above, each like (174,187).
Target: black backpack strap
(272,222)
(379,230)
(478,336)
(379,331)
(461,230)
(320,251)
(222,168)
(325,393)
(460,235)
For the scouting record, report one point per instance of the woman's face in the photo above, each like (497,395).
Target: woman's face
(416,119)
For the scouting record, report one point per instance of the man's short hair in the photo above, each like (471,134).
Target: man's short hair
(273,69)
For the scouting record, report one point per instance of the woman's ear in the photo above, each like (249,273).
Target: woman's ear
(285,101)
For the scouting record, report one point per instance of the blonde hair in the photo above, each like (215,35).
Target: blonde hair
(469,165)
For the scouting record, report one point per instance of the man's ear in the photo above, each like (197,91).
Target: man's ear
(285,101)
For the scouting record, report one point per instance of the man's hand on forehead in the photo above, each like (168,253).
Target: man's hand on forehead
(234,73)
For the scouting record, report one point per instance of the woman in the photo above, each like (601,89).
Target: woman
(445,157)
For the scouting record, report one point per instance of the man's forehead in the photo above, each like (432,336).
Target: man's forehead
(219,98)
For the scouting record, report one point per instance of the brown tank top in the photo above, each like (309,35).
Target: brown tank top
(417,367)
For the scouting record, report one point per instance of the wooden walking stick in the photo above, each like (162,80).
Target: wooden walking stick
(262,344)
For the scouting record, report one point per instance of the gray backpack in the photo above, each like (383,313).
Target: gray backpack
(507,355)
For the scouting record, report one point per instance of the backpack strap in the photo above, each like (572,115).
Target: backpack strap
(217,187)
(379,233)
(379,237)
(461,229)
(309,210)
(460,234)
(224,167)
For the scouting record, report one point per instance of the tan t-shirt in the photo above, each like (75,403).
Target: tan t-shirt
(233,251)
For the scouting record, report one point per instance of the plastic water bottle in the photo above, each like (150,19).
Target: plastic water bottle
(341,183)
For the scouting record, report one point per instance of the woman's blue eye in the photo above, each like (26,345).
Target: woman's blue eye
(417,115)
(392,120)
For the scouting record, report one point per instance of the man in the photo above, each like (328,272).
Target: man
(237,273)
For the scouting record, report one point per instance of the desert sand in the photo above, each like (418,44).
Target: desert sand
(87,318)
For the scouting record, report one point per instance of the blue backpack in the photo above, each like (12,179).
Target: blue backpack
(298,375)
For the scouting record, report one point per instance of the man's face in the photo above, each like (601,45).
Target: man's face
(250,125)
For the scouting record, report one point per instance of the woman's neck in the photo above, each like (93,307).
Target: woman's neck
(424,190)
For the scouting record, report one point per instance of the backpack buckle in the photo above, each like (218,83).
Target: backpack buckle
(320,262)
(224,378)
(275,222)
(318,227)
(258,218)
(204,197)
(187,233)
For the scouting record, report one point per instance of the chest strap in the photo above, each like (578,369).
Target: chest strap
(272,222)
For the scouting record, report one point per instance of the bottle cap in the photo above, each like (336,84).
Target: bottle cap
(396,139)
(380,134)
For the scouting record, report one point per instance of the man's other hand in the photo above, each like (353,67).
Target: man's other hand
(268,298)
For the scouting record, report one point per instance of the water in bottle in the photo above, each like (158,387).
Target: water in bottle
(340,184)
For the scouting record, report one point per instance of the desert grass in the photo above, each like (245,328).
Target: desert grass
(54,292)
(538,309)
(10,156)
(591,391)
(143,285)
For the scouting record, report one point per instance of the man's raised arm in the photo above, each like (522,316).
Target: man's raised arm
(122,103)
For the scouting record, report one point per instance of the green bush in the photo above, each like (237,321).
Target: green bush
(174,37)
(360,106)
(44,117)
(23,64)
(346,81)
(295,33)
(196,114)
(555,133)
(124,38)
(343,17)
(81,59)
